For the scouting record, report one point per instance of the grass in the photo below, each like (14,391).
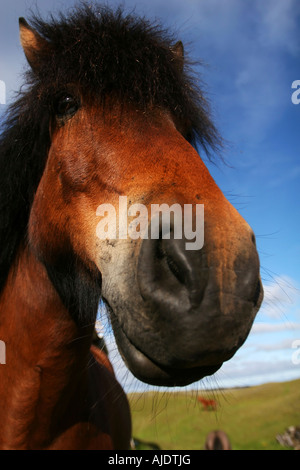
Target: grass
(251,417)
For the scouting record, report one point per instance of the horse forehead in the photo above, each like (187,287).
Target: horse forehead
(118,122)
(118,132)
(144,129)
(125,142)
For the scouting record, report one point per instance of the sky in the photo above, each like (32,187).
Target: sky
(250,55)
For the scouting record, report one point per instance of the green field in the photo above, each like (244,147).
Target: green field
(251,417)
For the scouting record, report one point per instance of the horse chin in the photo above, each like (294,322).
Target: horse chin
(150,371)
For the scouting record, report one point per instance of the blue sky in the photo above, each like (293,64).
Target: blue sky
(251,52)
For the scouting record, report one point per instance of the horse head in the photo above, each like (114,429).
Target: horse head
(120,117)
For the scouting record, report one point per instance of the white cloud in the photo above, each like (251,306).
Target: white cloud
(285,344)
(289,177)
(250,43)
(279,295)
(280,24)
(254,372)
(274,327)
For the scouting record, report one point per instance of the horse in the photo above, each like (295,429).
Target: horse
(207,403)
(110,110)
(217,440)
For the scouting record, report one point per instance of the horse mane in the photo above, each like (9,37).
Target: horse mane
(105,53)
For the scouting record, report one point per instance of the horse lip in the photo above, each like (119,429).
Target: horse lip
(151,372)
(146,370)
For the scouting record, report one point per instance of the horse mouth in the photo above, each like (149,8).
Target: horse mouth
(149,371)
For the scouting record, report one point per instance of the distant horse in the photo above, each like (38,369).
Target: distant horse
(208,403)
(109,111)
(217,440)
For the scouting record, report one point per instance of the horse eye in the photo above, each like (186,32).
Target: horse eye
(66,105)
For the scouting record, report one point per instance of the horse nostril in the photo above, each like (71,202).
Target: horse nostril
(253,239)
(257,293)
(172,262)
(170,274)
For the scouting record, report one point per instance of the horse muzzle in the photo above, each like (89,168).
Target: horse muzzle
(197,308)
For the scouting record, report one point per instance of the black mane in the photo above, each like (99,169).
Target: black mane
(103,52)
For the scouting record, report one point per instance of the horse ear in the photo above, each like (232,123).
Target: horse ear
(178,52)
(33,44)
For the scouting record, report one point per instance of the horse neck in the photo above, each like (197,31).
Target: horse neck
(46,356)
